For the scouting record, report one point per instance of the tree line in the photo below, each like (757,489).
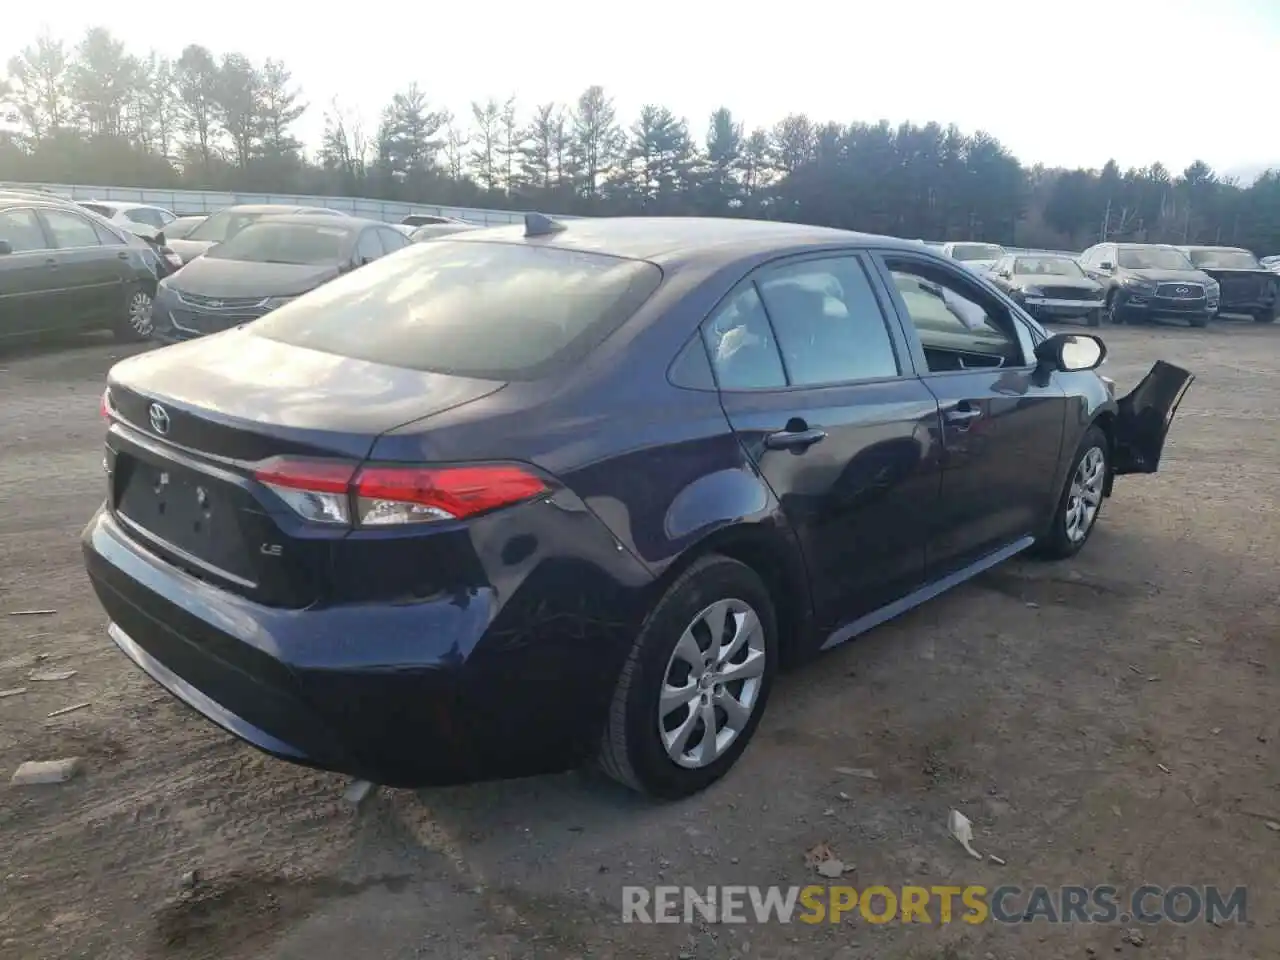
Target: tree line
(94,112)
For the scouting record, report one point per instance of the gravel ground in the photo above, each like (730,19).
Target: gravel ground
(1106,720)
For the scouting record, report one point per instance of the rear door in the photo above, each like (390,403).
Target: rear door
(1002,417)
(93,274)
(821,392)
(31,294)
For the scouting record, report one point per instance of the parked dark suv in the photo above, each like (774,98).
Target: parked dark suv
(1150,281)
(1247,286)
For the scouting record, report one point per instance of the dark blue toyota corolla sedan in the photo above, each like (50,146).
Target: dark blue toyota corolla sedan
(521,498)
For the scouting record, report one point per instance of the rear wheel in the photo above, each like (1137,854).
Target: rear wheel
(695,685)
(1081,499)
(137,322)
(1265,316)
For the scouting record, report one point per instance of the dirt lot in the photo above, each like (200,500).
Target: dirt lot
(1107,720)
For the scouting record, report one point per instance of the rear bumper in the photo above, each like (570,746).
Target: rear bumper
(447,690)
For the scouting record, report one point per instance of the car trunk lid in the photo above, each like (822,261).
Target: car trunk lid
(193,423)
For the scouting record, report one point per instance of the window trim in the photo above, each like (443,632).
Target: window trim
(40,225)
(860,255)
(51,235)
(1021,332)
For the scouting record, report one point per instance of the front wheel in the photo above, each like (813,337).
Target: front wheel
(1265,316)
(137,321)
(1200,320)
(1094,318)
(1081,499)
(1113,315)
(695,685)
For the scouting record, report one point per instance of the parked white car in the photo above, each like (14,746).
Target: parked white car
(126,213)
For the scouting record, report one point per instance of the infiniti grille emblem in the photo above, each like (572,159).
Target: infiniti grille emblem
(159,419)
(1182,290)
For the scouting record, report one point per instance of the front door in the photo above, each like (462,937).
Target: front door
(1002,416)
(820,391)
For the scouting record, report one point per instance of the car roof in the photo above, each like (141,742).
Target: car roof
(664,240)
(1144,246)
(273,208)
(349,224)
(1215,249)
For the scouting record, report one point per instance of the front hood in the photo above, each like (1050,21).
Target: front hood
(212,277)
(1168,276)
(188,250)
(225,390)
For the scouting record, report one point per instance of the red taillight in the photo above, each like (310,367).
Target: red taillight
(104,404)
(327,491)
(412,494)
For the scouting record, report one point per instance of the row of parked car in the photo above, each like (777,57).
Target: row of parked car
(1130,282)
(142,272)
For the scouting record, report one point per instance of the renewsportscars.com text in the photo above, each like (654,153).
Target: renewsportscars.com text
(1181,904)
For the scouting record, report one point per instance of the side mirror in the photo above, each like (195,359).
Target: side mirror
(1072,352)
(160,238)
(1106,266)
(6,248)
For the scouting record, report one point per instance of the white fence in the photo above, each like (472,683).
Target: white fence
(183,202)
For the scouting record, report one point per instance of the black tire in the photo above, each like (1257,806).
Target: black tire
(1113,316)
(1056,543)
(632,751)
(1200,320)
(1094,318)
(1265,316)
(128,329)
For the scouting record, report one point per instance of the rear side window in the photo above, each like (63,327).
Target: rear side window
(21,228)
(497,311)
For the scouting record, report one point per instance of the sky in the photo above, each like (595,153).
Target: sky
(1060,82)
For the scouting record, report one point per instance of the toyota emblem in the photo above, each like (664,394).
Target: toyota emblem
(159,419)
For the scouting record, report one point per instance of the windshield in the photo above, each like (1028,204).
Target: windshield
(1225,259)
(224,225)
(1047,266)
(1152,258)
(276,242)
(976,251)
(496,311)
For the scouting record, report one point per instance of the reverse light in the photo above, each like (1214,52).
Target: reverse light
(375,496)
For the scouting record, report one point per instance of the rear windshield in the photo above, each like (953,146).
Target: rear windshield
(495,311)
(224,225)
(1225,259)
(976,251)
(272,241)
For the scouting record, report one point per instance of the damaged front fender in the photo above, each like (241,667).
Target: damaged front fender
(1144,416)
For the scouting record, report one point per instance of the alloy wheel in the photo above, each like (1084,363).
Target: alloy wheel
(712,683)
(1085,497)
(140,307)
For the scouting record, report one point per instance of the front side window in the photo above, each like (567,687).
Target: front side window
(496,311)
(958,326)
(69,230)
(392,240)
(369,248)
